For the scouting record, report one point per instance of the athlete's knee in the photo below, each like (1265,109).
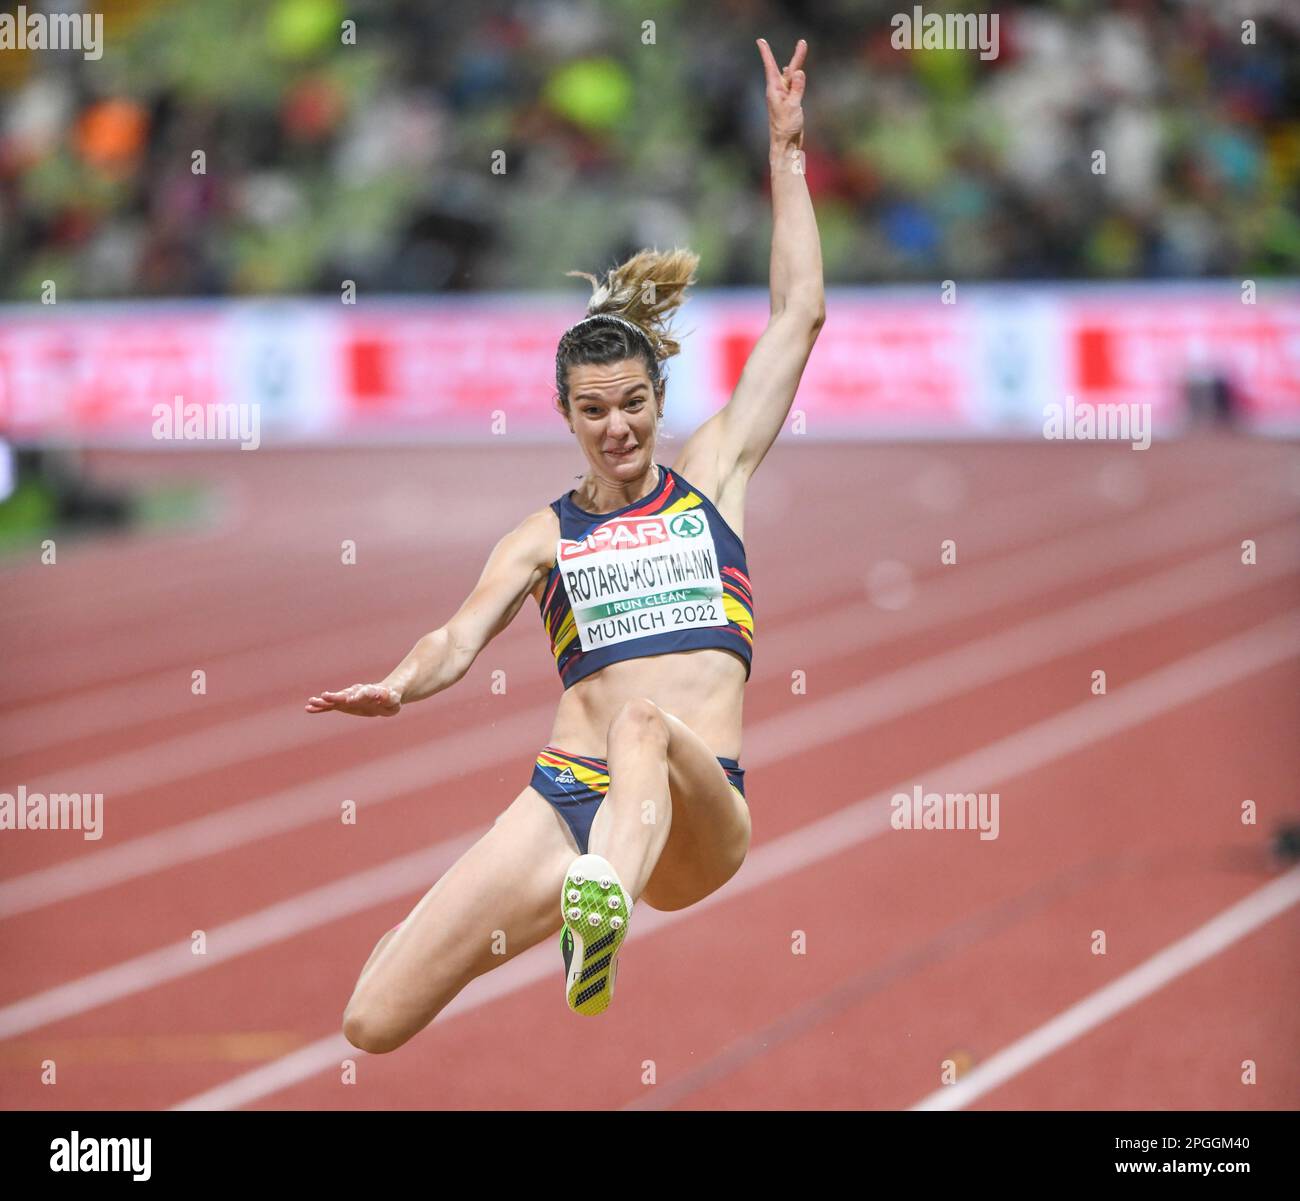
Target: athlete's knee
(640,717)
(366,1033)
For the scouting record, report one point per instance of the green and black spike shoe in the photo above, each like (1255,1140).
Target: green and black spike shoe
(566,949)
(596,912)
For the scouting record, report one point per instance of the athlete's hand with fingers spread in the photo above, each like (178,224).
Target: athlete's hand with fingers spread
(361,700)
(785,94)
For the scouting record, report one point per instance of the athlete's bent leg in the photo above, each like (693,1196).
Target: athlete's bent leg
(500,898)
(710,830)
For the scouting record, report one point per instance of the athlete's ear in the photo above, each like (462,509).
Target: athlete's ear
(563,412)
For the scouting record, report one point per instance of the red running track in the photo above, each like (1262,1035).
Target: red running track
(1119,815)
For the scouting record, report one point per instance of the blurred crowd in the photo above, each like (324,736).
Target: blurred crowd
(235,147)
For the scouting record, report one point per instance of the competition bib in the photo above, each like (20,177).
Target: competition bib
(633,576)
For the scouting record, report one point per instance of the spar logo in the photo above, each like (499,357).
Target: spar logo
(623,533)
(687,525)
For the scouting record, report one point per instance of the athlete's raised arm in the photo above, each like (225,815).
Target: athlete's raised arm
(442,657)
(738,436)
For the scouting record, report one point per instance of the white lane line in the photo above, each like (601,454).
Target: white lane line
(305,911)
(132,573)
(370,783)
(245,673)
(232,676)
(146,584)
(1219,933)
(1040,640)
(1161,691)
(979,587)
(815,722)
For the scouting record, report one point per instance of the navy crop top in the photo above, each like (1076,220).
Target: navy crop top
(665,573)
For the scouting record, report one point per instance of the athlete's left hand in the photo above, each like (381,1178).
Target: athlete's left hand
(361,700)
(785,95)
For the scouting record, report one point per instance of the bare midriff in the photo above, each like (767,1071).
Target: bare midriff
(705,688)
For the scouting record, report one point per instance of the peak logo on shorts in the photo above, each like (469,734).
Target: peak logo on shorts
(623,533)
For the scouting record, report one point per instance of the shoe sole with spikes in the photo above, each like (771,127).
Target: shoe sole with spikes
(595,910)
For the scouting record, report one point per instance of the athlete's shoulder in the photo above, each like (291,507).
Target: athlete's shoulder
(698,467)
(541,527)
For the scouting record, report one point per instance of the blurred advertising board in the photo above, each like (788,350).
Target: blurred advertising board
(995,361)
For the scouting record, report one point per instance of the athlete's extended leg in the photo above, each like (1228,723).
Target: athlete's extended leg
(379,946)
(497,900)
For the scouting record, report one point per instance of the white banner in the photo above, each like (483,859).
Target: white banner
(890,362)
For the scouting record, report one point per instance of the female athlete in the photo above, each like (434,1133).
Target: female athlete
(644,594)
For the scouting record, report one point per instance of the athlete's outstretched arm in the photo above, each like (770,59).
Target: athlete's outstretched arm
(442,657)
(741,433)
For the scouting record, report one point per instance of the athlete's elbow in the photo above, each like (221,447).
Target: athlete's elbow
(455,652)
(809,312)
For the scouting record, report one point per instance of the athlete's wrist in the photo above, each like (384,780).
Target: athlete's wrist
(785,155)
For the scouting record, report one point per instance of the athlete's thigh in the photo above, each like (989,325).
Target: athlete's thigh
(703,798)
(710,828)
(499,898)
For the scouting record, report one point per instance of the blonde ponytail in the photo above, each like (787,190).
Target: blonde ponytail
(646,290)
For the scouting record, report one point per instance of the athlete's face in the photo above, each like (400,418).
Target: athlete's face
(613,409)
